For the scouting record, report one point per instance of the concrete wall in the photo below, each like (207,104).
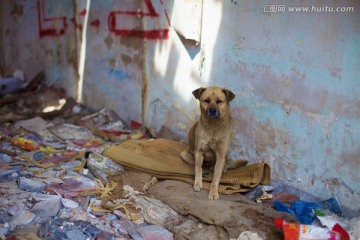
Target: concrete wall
(41,36)
(114,63)
(295,75)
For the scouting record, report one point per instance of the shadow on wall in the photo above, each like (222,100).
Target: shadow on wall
(180,59)
(176,65)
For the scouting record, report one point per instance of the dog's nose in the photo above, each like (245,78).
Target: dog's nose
(213,112)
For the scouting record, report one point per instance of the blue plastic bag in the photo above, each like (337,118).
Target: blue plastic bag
(300,209)
(303,211)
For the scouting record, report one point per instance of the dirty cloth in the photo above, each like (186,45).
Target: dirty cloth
(161,158)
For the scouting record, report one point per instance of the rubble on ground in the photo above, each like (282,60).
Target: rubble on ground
(56,184)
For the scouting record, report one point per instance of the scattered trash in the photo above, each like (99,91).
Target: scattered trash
(25,144)
(282,197)
(46,182)
(329,219)
(157,213)
(318,220)
(259,193)
(71,132)
(304,211)
(294,231)
(10,85)
(35,124)
(102,163)
(42,163)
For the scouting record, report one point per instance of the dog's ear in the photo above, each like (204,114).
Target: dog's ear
(229,94)
(197,93)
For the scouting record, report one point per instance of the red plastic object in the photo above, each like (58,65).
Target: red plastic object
(114,132)
(339,229)
(135,124)
(279,223)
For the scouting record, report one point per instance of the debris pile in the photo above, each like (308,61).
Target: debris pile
(54,181)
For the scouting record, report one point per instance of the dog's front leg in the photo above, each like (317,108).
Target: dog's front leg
(199,156)
(219,168)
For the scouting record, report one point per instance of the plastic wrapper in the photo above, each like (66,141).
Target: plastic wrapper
(293,231)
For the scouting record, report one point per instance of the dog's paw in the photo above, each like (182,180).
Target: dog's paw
(213,195)
(214,192)
(197,186)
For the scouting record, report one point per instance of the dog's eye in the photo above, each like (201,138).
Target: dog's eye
(218,101)
(207,100)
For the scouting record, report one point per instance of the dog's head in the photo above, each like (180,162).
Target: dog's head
(214,101)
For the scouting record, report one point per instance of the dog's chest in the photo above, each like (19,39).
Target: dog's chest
(211,137)
(209,143)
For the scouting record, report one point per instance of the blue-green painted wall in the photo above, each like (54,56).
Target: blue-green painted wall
(296,76)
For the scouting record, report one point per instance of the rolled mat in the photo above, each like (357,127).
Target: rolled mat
(161,158)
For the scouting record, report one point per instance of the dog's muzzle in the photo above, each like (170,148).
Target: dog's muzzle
(212,113)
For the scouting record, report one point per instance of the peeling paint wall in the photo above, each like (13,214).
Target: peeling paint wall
(296,80)
(295,74)
(40,36)
(113,70)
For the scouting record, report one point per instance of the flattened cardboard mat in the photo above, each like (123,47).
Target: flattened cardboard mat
(161,158)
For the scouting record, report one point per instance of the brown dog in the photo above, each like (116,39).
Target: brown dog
(209,138)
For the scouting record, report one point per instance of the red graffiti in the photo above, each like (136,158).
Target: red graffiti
(49,26)
(78,25)
(44,22)
(166,14)
(95,23)
(83,13)
(115,25)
